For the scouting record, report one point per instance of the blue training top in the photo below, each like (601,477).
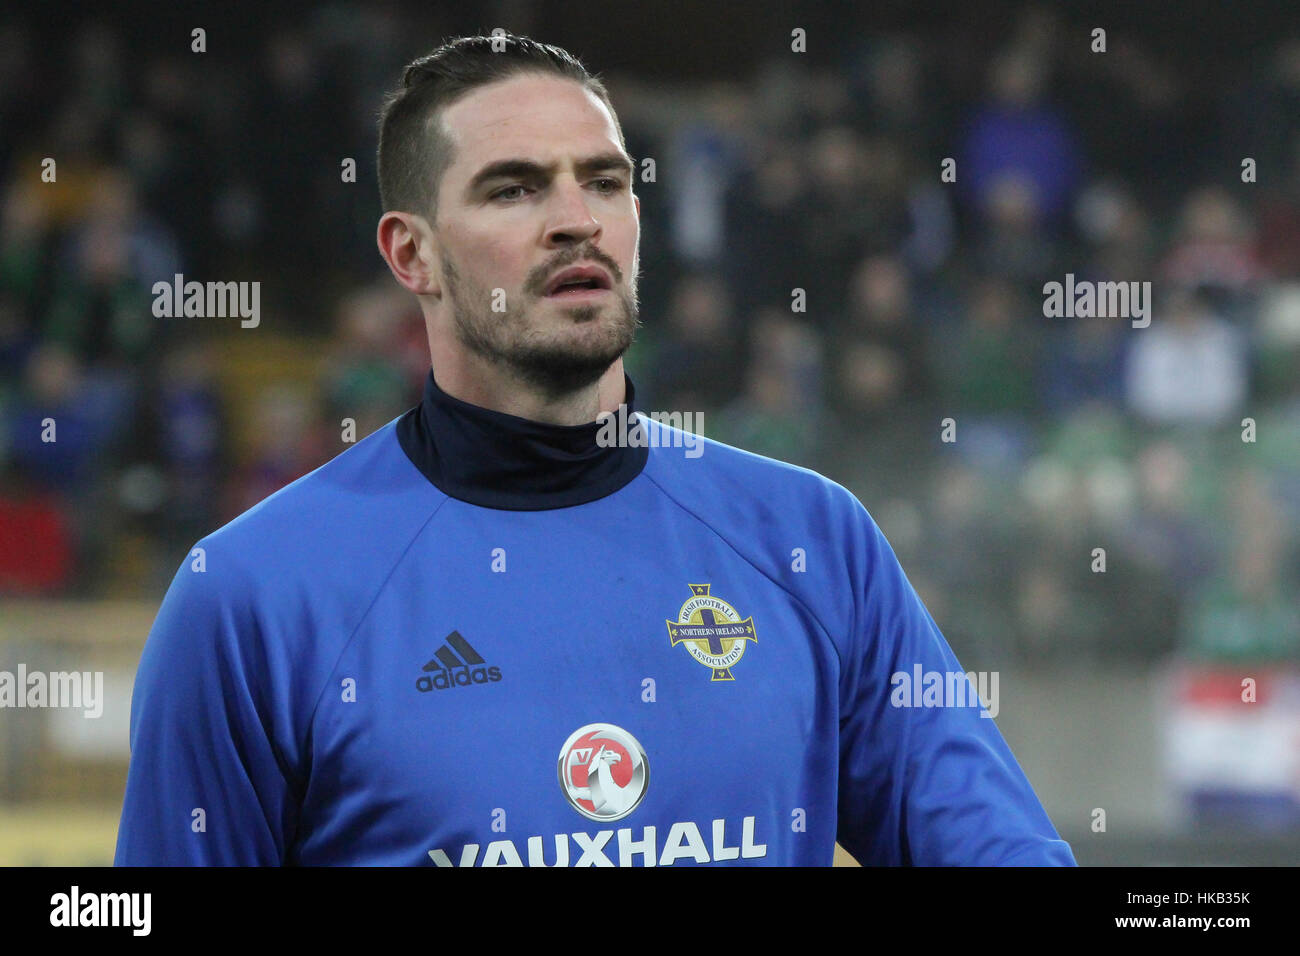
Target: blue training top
(472,639)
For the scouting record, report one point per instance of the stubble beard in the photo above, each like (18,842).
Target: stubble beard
(506,340)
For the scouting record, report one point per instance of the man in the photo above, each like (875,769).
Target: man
(501,630)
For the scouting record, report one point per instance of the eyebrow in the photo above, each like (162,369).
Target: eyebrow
(528,169)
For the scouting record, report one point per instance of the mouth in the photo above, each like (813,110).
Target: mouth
(578,283)
(576,295)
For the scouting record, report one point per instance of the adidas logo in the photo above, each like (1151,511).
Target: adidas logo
(452,671)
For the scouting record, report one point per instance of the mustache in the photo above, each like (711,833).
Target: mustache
(537,283)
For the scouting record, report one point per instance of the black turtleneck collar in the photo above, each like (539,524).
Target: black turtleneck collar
(509,463)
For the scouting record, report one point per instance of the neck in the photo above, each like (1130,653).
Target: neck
(495,459)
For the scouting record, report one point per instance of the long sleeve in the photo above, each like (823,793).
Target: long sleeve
(205,784)
(923,785)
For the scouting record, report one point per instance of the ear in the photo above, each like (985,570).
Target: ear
(637,201)
(406,243)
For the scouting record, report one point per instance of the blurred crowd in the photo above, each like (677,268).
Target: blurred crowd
(811,283)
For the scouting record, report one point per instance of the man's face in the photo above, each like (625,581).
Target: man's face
(504,234)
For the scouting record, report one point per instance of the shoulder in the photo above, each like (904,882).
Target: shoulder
(336,527)
(751,486)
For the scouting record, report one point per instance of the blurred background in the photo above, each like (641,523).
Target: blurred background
(1120,690)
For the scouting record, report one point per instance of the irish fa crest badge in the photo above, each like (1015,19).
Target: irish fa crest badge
(712,631)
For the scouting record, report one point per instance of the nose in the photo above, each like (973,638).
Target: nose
(571,221)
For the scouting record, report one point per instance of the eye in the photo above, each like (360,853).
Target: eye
(609,185)
(501,193)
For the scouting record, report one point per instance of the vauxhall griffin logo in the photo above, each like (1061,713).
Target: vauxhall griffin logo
(603,772)
(450,671)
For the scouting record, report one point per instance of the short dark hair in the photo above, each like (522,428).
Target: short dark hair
(414,151)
